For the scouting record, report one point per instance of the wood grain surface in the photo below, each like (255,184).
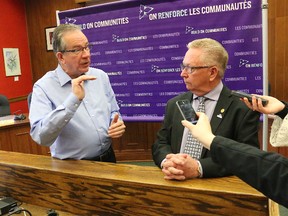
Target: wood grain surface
(97,188)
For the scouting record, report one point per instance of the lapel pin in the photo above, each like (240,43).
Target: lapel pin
(219,116)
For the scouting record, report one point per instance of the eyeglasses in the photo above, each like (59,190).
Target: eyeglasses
(191,69)
(78,50)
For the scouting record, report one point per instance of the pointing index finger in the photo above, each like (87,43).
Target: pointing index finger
(87,77)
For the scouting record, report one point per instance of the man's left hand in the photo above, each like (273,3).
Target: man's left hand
(180,167)
(117,127)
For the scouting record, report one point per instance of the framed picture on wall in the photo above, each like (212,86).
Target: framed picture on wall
(48,36)
(12,61)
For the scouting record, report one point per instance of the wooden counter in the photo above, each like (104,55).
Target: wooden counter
(97,188)
(15,136)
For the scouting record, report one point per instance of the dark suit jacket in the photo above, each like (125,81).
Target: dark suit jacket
(265,171)
(238,122)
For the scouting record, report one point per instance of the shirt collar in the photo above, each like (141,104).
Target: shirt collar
(64,78)
(213,94)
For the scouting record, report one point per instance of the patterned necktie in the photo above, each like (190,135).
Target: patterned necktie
(193,146)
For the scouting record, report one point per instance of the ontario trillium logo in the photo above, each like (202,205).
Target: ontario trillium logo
(188,29)
(243,62)
(115,37)
(154,68)
(144,11)
(69,20)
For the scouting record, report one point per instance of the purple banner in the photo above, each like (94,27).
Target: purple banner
(140,45)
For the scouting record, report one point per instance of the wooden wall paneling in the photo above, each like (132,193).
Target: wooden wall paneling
(82,1)
(136,143)
(40,15)
(278,48)
(136,138)
(43,150)
(22,141)
(152,129)
(285,46)
(285,70)
(271,50)
(281,8)
(96,2)
(5,141)
(280,57)
(16,138)
(283,151)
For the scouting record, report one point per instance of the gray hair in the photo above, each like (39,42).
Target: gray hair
(57,41)
(214,53)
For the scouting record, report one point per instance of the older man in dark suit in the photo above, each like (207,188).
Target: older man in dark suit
(203,68)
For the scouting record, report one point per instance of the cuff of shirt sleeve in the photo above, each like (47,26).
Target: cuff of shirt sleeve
(72,103)
(200,170)
(161,165)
